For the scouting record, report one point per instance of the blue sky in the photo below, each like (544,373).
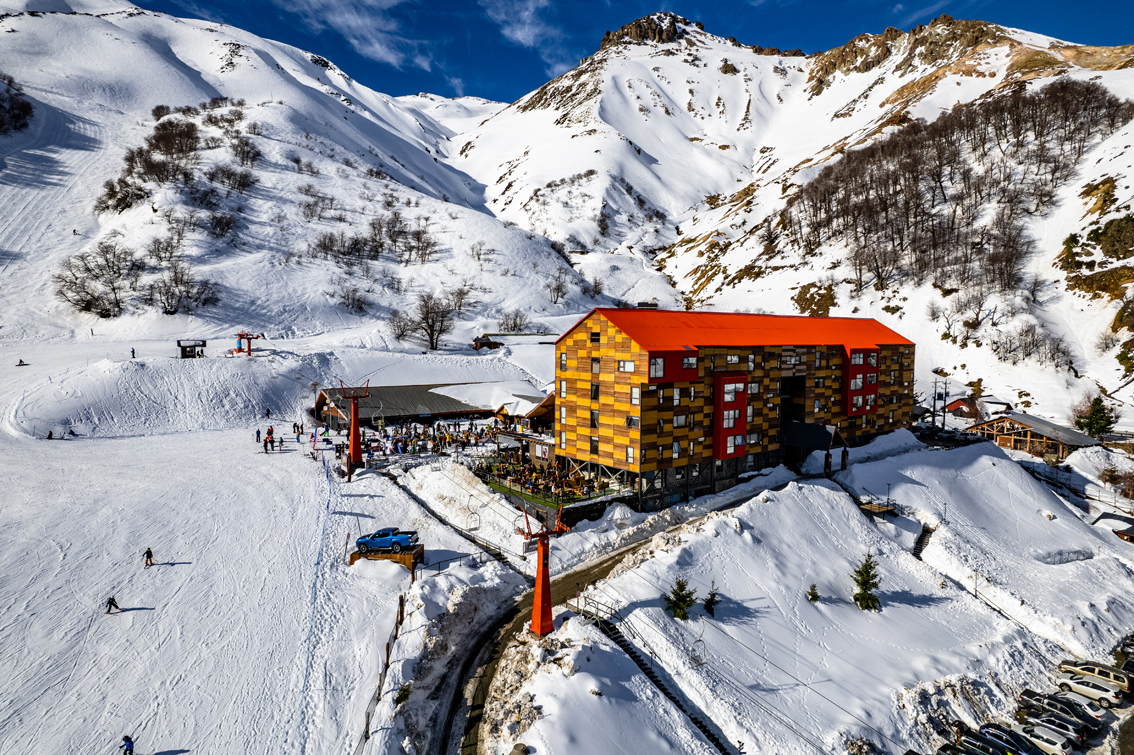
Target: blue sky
(502,49)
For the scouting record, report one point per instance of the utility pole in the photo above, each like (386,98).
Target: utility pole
(933,412)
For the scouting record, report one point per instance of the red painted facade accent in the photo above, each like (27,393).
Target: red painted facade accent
(673,372)
(720,406)
(868,392)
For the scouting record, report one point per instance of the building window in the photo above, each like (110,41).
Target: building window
(856,358)
(563,415)
(856,403)
(594,418)
(872,378)
(657,367)
(629,454)
(891,416)
(692,392)
(818,406)
(732,359)
(661,426)
(730,391)
(731,444)
(711,392)
(677,397)
(870,401)
(562,389)
(688,363)
(635,395)
(594,391)
(595,336)
(730,417)
(753,388)
(751,362)
(596,365)
(661,396)
(563,361)
(625,366)
(633,422)
(541,452)
(872,359)
(753,438)
(856,382)
(676,449)
(594,446)
(681,420)
(751,412)
(820,382)
(563,439)
(893,376)
(679,473)
(661,453)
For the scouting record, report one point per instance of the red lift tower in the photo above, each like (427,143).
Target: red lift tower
(249,337)
(353,395)
(541,605)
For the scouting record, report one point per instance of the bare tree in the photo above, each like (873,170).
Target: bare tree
(400,324)
(557,286)
(99,280)
(434,318)
(514,321)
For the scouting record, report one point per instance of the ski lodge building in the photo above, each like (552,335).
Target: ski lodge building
(675,404)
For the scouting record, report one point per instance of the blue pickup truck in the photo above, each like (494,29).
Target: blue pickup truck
(389,539)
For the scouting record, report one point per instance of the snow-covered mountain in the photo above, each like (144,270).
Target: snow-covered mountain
(663,156)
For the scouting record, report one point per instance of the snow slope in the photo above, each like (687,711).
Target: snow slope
(934,653)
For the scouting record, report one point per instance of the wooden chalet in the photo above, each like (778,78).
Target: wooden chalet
(1033,435)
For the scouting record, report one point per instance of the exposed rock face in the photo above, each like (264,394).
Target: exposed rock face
(659,27)
(943,39)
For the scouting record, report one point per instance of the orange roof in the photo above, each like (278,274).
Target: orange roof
(664,330)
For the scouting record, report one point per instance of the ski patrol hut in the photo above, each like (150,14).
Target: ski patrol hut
(191,349)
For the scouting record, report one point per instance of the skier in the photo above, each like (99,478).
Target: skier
(268,414)
(271,443)
(131,353)
(149,556)
(21,363)
(112,603)
(127,745)
(257,435)
(265,445)
(50,434)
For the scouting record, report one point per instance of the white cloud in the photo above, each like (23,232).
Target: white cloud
(521,24)
(899,8)
(366,25)
(458,85)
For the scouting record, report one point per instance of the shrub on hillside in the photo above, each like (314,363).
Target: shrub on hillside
(99,281)
(15,110)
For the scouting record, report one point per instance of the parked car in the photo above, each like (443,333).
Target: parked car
(389,539)
(1085,705)
(1115,677)
(1053,704)
(1010,739)
(980,744)
(1045,739)
(1106,695)
(1073,731)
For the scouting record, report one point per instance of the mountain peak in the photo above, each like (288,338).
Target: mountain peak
(660,27)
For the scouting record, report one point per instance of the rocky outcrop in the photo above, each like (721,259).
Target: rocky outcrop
(659,27)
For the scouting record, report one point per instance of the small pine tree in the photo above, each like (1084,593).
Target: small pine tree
(867,580)
(813,594)
(1094,417)
(711,600)
(680,599)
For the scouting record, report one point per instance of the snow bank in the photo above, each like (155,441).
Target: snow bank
(576,691)
(1036,559)
(897,442)
(770,649)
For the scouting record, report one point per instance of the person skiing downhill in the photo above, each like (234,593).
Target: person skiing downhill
(149,556)
(112,603)
(127,745)
(257,435)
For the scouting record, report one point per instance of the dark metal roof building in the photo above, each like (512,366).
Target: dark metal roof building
(395,404)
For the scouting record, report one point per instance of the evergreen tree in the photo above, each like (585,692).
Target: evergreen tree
(680,599)
(1096,418)
(712,601)
(813,594)
(866,578)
